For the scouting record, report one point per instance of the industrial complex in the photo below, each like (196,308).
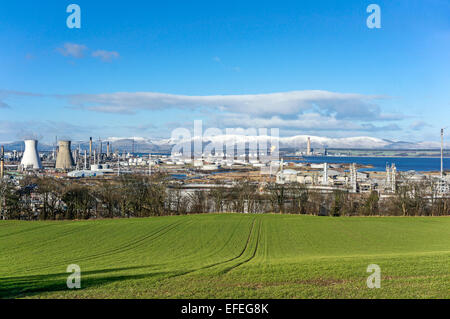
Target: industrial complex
(204,172)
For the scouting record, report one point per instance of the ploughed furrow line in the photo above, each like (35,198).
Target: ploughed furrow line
(142,241)
(129,246)
(69,232)
(31,229)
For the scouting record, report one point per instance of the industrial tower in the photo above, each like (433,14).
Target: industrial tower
(30,157)
(443,187)
(308,147)
(2,162)
(64,158)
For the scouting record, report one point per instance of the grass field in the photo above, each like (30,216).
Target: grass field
(227,256)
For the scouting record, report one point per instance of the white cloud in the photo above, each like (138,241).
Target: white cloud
(73,50)
(319,112)
(78,51)
(46,129)
(418,125)
(5,94)
(311,122)
(105,56)
(339,105)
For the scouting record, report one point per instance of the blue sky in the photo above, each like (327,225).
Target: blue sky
(143,68)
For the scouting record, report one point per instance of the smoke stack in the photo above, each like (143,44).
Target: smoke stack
(64,160)
(442,153)
(2,162)
(308,147)
(325,174)
(30,156)
(90,149)
(107,149)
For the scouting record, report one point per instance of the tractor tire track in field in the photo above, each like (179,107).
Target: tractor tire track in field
(227,241)
(131,245)
(247,244)
(258,236)
(238,256)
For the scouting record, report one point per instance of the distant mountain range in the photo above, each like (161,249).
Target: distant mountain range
(144,145)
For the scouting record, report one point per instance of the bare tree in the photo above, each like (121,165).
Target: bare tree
(277,196)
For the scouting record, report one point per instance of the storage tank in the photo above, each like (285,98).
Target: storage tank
(30,157)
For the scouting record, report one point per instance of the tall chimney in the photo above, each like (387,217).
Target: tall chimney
(64,160)
(2,162)
(107,149)
(325,174)
(308,147)
(90,149)
(442,153)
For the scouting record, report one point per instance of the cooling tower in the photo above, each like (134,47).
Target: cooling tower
(30,157)
(64,158)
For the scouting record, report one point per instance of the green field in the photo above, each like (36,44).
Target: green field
(227,256)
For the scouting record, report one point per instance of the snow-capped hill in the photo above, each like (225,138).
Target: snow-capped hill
(136,139)
(298,141)
(346,142)
(143,145)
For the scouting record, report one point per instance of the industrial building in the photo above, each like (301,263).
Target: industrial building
(31,159)
(64,160)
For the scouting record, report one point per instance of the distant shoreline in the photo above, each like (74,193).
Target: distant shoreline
(379,156)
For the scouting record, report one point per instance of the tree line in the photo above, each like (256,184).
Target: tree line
(48,198)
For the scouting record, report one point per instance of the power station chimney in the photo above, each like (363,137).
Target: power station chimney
(388,177)
(64,159)
(442,153)
(90,149)
(107,149)
(308,147)
(2,162)
(354,178)
(31,156)
(393,178)
(325,174)
(118,165)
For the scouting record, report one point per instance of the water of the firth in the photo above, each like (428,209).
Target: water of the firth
(420,164)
